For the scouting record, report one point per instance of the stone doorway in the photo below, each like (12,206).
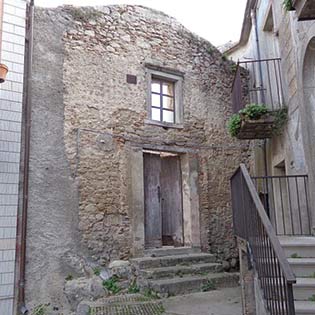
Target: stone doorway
(188,233)
(163,202)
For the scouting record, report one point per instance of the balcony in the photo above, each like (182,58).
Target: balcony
(258,82)
(305,9)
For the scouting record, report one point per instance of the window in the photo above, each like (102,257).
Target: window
(162,101)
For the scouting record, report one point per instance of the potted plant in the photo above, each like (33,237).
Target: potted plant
(3,72)
(255,121)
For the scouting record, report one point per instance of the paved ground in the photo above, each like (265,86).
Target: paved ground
(218,302)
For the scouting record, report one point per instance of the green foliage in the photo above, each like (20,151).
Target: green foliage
(210,49)
(133,288)
(151,294)
(97,271)
(234,125)
(312,275)
(83,15)
(161,309)
(288,5)
(254,111)
(39,309)
(312,298)
(208,286)
(224,57)
(111,285)
(295,255)
(281,117)
(69,277)
(233,67)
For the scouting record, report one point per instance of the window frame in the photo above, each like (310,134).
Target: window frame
(177,80)
(161,95)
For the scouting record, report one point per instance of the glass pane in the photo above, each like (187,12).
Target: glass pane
(155,87)
(168,88)
(156,100)
(155,114)
(168,116)
(168,102)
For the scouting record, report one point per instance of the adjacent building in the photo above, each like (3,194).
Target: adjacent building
(12,40)
(276,50)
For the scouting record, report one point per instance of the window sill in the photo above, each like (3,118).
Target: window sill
(163,124)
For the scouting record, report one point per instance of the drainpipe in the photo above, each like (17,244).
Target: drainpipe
(22,223)
(255,26)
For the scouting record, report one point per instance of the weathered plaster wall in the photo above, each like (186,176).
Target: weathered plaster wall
(88,122)
(52,227)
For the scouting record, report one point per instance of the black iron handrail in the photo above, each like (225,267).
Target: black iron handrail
(286,200)
(252,224)
(261,83)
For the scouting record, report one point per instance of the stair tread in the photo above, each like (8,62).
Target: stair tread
(192,255)
(305,282)
(304,306)
(297,241)
(194,278)
(301,261)
(192,266)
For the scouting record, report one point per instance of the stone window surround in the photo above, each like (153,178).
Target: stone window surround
(169,75)
(190,169)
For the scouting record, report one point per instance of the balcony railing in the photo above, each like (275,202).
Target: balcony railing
(258,81)
(252,224)
(286,200)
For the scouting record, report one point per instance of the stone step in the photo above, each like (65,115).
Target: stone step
(170,251)
(304,289)
(300,246)
(304,308)
(186,285)
(166,261)
(302,267)
(179,271)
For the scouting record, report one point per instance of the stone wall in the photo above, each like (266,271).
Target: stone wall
(88,119)
(101,50)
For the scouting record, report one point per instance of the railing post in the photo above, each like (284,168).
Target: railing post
(291,307)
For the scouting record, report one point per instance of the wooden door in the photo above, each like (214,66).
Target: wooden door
(152,197)
(171,193)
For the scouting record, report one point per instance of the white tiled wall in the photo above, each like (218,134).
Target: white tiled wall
(12,55)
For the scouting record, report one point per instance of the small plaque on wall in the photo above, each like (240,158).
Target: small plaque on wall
(132,79)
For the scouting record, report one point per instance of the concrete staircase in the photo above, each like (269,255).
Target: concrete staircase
(176,271)
(300,252)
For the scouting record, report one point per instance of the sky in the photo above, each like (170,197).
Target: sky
(218,21)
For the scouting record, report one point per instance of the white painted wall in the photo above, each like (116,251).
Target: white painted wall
(12,55)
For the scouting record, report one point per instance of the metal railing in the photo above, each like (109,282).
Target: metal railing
(262,82)
(286,200)
(252,224)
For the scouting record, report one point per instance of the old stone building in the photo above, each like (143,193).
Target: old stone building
(128,145)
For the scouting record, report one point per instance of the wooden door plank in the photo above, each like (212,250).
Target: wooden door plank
(172,208)
(153,216)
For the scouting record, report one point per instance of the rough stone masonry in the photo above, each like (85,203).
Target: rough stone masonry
(86,119)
